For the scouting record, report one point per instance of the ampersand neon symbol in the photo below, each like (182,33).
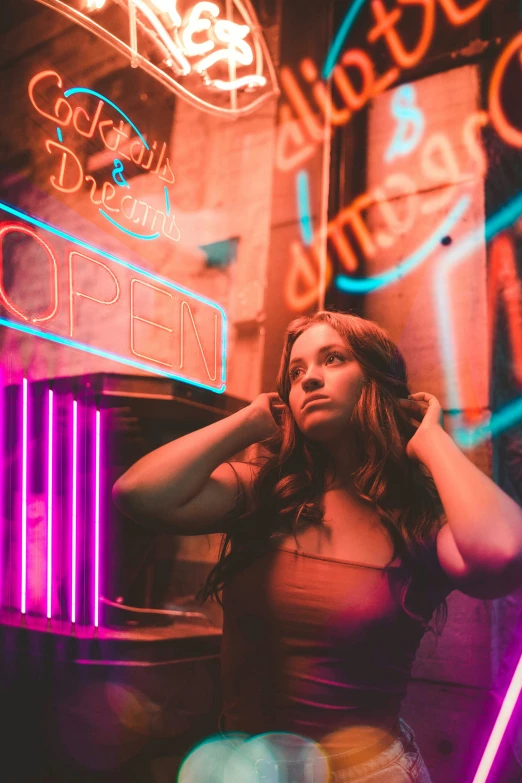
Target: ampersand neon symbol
(117,174)
(410,123)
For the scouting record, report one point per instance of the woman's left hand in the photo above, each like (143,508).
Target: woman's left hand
(425,414)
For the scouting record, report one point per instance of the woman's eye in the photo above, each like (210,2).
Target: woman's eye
(337,356)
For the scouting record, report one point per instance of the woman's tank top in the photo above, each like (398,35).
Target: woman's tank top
(316,646)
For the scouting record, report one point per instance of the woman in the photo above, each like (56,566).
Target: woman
(339,545)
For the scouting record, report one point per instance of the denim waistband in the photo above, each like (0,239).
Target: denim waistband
(387,757)
(355,757)
(339,767)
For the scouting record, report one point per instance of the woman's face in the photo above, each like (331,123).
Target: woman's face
(320,363)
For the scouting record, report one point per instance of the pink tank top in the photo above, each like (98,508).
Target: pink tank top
(312,645)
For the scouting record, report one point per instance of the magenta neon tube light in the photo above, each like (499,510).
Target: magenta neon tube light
(73,516)
(50,505)
(24,496)
(508,705)
(2,471)
(97,525)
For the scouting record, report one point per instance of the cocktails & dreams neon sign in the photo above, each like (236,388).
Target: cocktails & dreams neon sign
(202,53)
(132,216)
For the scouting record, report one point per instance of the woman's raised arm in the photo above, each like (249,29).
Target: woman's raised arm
(183,486)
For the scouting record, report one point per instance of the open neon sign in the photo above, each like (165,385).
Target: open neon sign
(224,55)
(189,345)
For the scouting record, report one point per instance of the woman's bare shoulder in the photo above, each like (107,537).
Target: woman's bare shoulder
(228,489)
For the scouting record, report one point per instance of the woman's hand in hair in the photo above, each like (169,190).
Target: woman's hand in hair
(425,412)
(267,411)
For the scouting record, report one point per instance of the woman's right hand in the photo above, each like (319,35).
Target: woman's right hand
(266,410)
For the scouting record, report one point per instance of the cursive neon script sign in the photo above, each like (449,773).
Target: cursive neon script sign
(196,45)
(439,163)
(436,150)
(355,76)
(140,219)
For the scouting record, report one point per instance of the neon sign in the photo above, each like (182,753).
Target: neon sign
(70,555)
(410,123)
(293,148)
(198,49)
(298,138)
(505,130)
(23,596)
(191,321)
(503,282)
(456,15)
(50,463)
(143,220)
(439,163)
(437,146)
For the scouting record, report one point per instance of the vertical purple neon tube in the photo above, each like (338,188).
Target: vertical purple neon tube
(50,505)
(2,471)
(24,497)
(97,525)
(73,514)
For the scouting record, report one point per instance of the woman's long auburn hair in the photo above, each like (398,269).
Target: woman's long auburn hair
(290,485)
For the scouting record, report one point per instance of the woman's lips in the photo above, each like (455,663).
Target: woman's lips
(315,402)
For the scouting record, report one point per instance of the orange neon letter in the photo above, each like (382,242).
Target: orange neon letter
(185,306)
(292,148)
(9,228)
(353,98)
(67,154)
(92,194)
(343,247)
(351,215)
(322,96)
(89,133)
(439,163)
(405,187)
(301,105)
(145,321)
(473,143)
(385,27)
(504,129)
(302,282)
(59,103)
(72,256)
(458,16)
